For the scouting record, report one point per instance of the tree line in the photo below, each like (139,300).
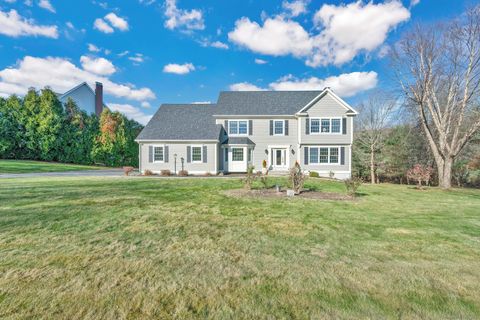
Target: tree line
(39,127)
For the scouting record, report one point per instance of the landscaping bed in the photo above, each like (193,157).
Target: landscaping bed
(272,193)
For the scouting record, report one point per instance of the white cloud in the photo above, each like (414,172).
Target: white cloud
(414,2)
(345,85)
(117,22)
(28,3)
(260,61)
(295,8)
(348,29)
(45,4)
(100,66)
(277,37)
(111,21)
(384,51)
(343,32)
(245,86)
(146,105)
(178,68)
(131,112)
(14,25)
(61,75)
(219,45)
(181,18)
(124,53)
(102,26)
(93,48)
(137,58)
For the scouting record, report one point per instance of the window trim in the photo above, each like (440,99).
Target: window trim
(329,154)
(283,127)
(163,152)
(201,153)
(238,127)
(330,126)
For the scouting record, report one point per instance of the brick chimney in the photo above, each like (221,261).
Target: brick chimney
(98,98)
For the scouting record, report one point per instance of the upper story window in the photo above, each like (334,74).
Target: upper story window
(279,127)
(325,125)
(158,154)
(238,127)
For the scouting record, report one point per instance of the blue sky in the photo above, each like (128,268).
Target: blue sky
(149,52)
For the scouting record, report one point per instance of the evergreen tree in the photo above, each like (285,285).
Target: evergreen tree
(49,125)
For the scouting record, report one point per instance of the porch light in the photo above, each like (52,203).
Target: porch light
(266,151)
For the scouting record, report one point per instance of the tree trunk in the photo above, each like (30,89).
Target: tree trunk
(447,174)
(372,165)
(444,171)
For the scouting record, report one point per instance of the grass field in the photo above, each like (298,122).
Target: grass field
(28,166)
(139,248)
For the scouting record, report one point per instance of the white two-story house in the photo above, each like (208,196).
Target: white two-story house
(313,128)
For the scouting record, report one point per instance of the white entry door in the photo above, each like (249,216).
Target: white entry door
(279,158)
(237,157)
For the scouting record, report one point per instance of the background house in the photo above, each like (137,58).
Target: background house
(86,98)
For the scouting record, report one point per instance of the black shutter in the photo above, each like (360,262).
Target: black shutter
(204,154)
(165,155)
(271,127)
(189,154)
(344,126)
(226,126)
(150,154)
(250,127)
(307,126)
(342,155)
(306,155)
(286,127)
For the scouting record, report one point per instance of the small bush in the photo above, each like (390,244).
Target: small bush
(249,178)
(264,180)
(148,173)
(314,174)
(352,185)
(297,178)
(420,174)
(165,173)
(183,173)
(127,170)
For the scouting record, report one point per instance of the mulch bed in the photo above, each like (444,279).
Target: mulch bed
(272,193)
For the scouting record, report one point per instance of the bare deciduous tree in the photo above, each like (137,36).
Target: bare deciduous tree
(439,71)
(374,117)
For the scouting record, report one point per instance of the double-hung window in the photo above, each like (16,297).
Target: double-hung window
(158,154)
(196,154)
(238,127)
(324,155)
(325,125)
(279,127)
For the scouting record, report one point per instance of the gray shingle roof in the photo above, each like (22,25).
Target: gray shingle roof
(238,140)
(263,102)
(182,122)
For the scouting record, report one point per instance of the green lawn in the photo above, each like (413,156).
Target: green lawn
(28,166)
(138,248)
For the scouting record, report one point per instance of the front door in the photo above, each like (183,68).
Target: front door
(279,160)
(237,157)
